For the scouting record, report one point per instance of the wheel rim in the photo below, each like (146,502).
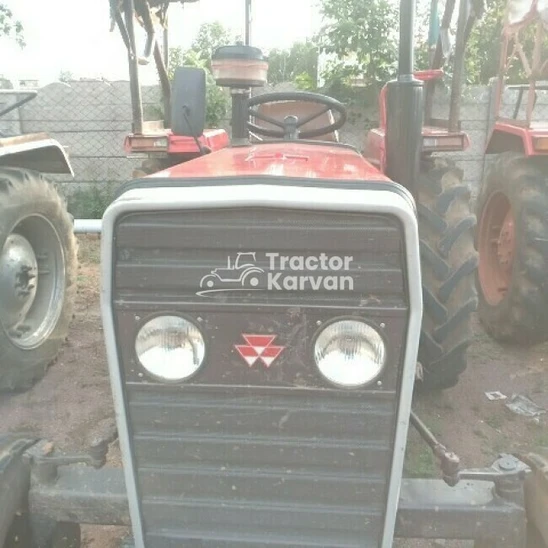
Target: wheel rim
(32,282)
(496,246)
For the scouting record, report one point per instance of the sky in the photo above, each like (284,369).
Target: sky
(73,35)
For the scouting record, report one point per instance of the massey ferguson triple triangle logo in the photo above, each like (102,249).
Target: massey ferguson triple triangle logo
(259,347)
(278,272)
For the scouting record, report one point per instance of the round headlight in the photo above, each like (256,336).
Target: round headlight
(349,353)
(170,348)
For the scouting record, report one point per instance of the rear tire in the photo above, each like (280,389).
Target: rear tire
(448,263)
(512,278)
(36,228)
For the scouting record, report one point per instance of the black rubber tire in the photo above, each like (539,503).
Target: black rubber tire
(22,193)
(448,263)
(522,314)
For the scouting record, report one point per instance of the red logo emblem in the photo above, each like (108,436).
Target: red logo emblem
(259,347)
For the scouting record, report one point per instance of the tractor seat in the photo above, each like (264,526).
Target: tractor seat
(301,109)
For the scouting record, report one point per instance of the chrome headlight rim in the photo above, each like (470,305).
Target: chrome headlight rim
(369,323)
(168,313)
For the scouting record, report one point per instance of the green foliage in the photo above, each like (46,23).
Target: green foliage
(9,26)
(362,36)
(217,101)
(298,64)
(66,76)
(209,38)
(483,48)
(91,202)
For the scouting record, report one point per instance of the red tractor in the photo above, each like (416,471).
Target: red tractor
(180,136)
(446,223)
(297,437)
(512,208)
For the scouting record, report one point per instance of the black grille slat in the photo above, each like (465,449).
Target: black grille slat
(237,537)
(181,277)
(229,484)
(351,457)
(301,520)
(156,232)
(271,416)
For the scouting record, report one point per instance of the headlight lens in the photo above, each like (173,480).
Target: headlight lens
(350,353)
(170,348)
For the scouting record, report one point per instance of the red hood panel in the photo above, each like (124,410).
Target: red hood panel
(279,159)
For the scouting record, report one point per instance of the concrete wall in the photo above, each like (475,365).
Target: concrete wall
(91,118)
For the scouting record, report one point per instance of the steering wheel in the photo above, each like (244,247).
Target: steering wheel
(295,123)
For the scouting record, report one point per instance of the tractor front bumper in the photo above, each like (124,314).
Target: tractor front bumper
(428,508)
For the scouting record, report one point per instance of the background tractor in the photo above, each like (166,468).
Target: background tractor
(180,136)
(446,222)
(38,256)
(512,277)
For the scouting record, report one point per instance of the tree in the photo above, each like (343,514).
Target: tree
(65,76)
(9,26)
(298,64)
(361,35)
(216,98)
(210,37)
(482,53)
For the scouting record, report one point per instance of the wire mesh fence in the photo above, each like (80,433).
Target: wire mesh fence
(92,118)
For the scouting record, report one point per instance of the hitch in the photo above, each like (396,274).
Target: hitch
(507,473)
(45,463)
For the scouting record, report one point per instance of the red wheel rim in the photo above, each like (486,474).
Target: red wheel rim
(496,246)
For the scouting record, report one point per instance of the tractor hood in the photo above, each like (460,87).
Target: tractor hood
(280,159)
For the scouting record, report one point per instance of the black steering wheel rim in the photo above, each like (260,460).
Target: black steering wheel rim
(305,96)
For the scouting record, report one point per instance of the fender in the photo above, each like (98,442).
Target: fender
(507,136)
(38,152)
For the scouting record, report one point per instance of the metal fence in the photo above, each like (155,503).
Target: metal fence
(91,119)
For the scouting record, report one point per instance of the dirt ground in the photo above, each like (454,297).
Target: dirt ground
(75,395)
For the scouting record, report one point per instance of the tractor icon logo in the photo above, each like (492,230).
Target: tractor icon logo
(239,274)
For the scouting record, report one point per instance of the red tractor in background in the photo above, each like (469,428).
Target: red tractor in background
(512,233)
(446,222)
(173,140)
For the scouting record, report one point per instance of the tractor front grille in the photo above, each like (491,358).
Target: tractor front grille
(254,456)
(252,467)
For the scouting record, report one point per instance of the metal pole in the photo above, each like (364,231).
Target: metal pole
(248,20)
(438,57)
(87,226)
(166,41)
(135,88)
(458,67)
(404,110)
(407,24)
